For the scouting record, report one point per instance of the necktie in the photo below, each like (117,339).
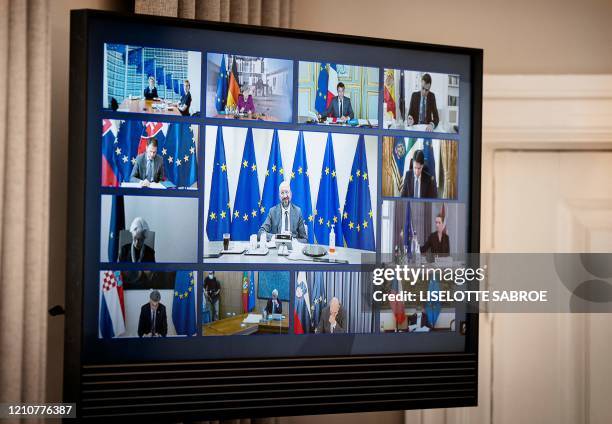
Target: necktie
(341,115)
(286,221)
(422,111)
(417,187)
(149,175)
(153,322)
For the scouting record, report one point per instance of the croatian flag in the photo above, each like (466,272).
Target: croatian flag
(112,308)
(332,83)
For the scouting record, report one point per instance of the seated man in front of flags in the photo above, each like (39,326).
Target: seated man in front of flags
(418,183)
(148,167)
(285,217)
(333,318)
(340,106)
(153,321)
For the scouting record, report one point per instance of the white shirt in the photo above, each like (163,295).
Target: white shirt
(417,186)
(418,321)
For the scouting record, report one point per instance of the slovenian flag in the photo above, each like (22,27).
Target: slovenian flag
(112,307)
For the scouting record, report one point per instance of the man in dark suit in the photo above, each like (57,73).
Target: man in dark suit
(137,251)
(418,183)
(285,217)
(333,318)
(274,306)
(150,92)
(148,167)
(153,321)
(340,106)
(418,319)
(423,109)
(185,101)
(438,242)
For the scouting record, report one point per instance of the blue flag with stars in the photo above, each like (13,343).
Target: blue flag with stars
(149,68)
(432,308)
(221,96)
(219,213)
(328,212)
(323,81)
(319,298)
(117,223)
(183,306)
(126,149)
(159,73)
(408,230)
(179,153)
(300,186)
(358,218)
(430,160)
(251,292)
(246,219)
(169,80)
(275,174)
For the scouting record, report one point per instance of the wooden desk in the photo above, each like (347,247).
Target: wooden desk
(146,106)
(254,117)
(233,327)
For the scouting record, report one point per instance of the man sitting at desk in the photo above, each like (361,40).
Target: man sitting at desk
(150,92)
(153,321)
(148,167)
(423,109)
(274,306)
(285,217)
(418,183)
(418,320)
(185,101)
(340,106)
(333,318)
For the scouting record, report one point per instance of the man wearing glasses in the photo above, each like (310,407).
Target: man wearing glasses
(423,109)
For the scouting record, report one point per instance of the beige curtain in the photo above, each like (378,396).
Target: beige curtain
(273,13)
(24,197)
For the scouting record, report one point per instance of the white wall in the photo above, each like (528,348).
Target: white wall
(344,153)
(174,221)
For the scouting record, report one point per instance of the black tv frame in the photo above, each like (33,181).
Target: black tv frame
(310,385)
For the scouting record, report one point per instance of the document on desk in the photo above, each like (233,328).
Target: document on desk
(253,319)
(137,185)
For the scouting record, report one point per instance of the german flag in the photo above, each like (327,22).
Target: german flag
(234,88)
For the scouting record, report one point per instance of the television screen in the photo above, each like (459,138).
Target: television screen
(231,181)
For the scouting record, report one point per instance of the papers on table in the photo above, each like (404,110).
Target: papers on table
(252,319)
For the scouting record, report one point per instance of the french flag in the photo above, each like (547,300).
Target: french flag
(332,83)
(112,307)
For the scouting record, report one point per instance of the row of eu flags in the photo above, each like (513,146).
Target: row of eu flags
(353,224)
(176,145)
(148,67)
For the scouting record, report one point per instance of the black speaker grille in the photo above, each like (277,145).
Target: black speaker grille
(278,387)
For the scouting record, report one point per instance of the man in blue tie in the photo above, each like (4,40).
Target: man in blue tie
(285,217)
(148,167)
(423,108)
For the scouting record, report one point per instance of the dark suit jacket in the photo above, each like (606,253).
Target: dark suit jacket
(125,254)
(273,222)
(431,110)
(412,320)
(428,185)
(150,94)
(325,327)
(435,246)
(333,111)
(278,310)
(161,321)
(139,171)
(185,100)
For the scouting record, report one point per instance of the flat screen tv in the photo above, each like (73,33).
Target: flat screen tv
(232,191)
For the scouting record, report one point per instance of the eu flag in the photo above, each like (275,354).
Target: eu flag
(408,230)
(319,298)
(328,212)
(159,73)
(110,172)
(117,223)
(275,174)
(135,59)
(175,85)
(251,305)
(169,80)
(179,153)
(181,89)
(246,219)
(430,160)
(126,149)
(219,213)
(358,217)
(300,186)
(183,305)
(149,67)
(119,48)
(221,96)
(432,308)
(321,100)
